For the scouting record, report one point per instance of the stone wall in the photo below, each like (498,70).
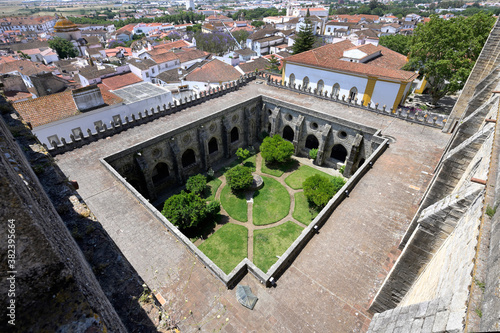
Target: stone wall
(55,288)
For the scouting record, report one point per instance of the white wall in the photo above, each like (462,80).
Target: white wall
(385,93)
(62,128)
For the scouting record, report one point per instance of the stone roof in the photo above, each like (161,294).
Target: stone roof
(93,72)
(387,65)
(214,71)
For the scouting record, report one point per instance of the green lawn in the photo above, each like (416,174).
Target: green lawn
(235,206)
(271,202)
(272,242)
(302,212)
(296,179)
(227,246)
(250,162)
(211,189)
(278,169)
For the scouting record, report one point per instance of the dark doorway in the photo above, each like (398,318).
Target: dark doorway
(339,153)
(188,158)
(212,146)
(235,134)
(312,142)
(160,173)
(288,133)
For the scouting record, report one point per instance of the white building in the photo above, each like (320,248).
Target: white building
(189,4)
(61,115)
(367,73)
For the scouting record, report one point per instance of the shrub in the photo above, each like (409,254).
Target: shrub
(239,178)
(313,153)
(318,190)
(337,182)
(213,208)
(185,210)
(342,169)
(196,184)
(276,149)
(242,154)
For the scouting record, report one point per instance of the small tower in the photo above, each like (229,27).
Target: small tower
(189,4)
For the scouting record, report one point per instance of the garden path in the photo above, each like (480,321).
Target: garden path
(249,195)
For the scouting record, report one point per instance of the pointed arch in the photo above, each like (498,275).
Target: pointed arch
(288,133)
(320,86)
(188,158)
(312,142)
(353,93)
(305,82)
(213,146)
(339,153)
(335,89)
(235,134)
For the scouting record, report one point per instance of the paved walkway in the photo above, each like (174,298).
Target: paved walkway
(329,285)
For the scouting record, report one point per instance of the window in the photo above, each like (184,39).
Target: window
(335,89)
(352,93)
(329,29)
(320,86)
(212,146)
(235,135)
(292,79)
(188,158)
(153,69)
(147,74)
(53,139)
(77,132)
(160,173)
(305,82)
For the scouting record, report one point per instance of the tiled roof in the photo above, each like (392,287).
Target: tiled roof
(246,52)
(191,54)
(256,64)
(163,57)
(25,67)
(172,45)
(171,75)
(263,33)
(142,64)
(388,65)
(126,29)
(119,81)
(214,71)
(92,72)
(51,108)
(13,96)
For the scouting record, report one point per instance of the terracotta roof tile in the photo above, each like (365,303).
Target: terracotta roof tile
(214,71)
(119,81)
(26,67)
(251,66)
(51,108)
(388,65)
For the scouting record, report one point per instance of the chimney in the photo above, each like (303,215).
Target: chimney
(87,98)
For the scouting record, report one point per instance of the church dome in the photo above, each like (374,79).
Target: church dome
(63,24)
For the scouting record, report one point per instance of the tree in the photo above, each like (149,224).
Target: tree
(318,190)
(196,184)
(239,178)
(242,154)
(185,210)
(305,38)
(257,24)
(399,43)
(276,149)
(241,36)
(444,51)
(64,48)
(273,64)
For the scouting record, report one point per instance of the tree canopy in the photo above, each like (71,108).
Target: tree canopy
(444,51)
(305,38)
(64,48)
(276,149)
(239,178)
(185,210)
(398,43)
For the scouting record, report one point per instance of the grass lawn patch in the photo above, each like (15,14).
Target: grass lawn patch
(296,179)
(250,162)
(227,246)
(272,242)
(235,206)
(302,211)
(271,203)
(211,189)
(278,169)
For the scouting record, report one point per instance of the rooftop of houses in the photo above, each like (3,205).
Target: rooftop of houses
(214,71)
(93,72)
(139,91)
(386,65)
(24,67)
(120,81)
(255,64)
(142,64)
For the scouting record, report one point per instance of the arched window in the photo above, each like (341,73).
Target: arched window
(160,173)
(335,89)
(212,146)
(305,82)
(188,158)
(288,133)
(320,86)
(235,135)
(312,142)
(352,93)
(292,79)
(339,153)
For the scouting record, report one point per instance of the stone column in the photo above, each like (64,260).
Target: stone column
(225,134)
(176,160)
(297,133)
(274,118)
(353,155)
(320,158)
(202,147)
(143,166)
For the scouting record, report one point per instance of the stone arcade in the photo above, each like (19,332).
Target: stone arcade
(170,158)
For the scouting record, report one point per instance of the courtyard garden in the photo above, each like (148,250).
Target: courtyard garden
(230,218)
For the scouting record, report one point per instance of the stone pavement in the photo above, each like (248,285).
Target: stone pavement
(330,284)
